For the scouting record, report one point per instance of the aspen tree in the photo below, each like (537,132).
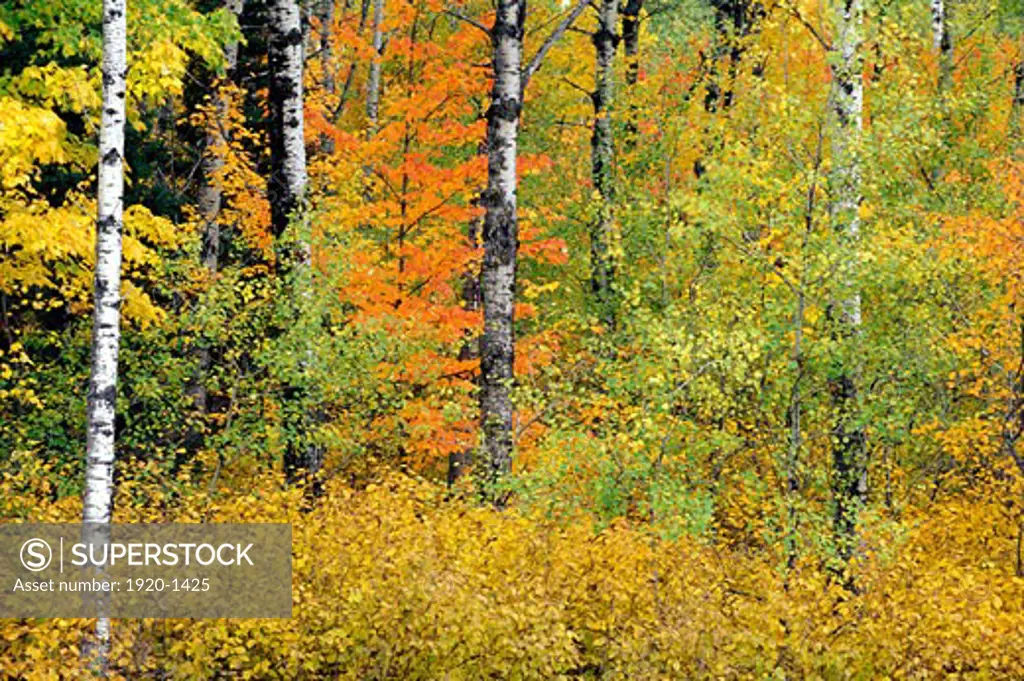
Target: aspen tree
(106,333)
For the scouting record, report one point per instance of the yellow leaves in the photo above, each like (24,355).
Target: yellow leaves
(532,291)
(28,136)
(157,71)
(53,249)
(73,89)
(443,590)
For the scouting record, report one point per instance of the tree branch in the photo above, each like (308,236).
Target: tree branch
(472,22)
(534,64)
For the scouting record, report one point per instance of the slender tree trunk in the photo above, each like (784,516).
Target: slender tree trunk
(326,16)
(942,42)
(458,462)
(209,203)
(848,442)
(106,334)
(288,198)
(287,144)
(209,199)
(501,243)
(373,88)
(602,266)
(373,80)
(631,45)
(631,39)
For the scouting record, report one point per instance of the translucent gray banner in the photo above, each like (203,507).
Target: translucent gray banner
(151,571)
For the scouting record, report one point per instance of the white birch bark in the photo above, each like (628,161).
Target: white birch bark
(602,266)
(287,143)
(849,465)
(942,43)
(287,186)
(106,335)
(373,80)
(501,242)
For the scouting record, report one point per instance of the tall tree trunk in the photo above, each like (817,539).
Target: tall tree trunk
(373,80)
(458,462)
(287,145)
(288,198)
(106,334)
(848,442)
(501,243)
(631,45)
(373,87)
(209,203)
(326,17)
(942,42)
(631,39)
(602,267)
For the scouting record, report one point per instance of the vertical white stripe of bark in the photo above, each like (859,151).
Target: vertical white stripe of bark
(848,108)
(288,149)
(602,267)
(373,80)
(288,193)
(107,282)
(501,240)
(938,23)
(99,456)
(850,466)
(942,43)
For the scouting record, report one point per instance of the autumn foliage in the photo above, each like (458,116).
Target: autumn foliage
(671,510)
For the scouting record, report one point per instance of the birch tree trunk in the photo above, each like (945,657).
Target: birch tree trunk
(631,45)
(501,243)
(631,39)
(287,144)
(287,187)
(106,334)
(209,203)
(602,267)
(942,42)
(849,452)
(373,80)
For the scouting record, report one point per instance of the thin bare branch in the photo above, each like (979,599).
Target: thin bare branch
(469,20)
(535,62)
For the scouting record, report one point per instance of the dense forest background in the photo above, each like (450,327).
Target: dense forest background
(607,340)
